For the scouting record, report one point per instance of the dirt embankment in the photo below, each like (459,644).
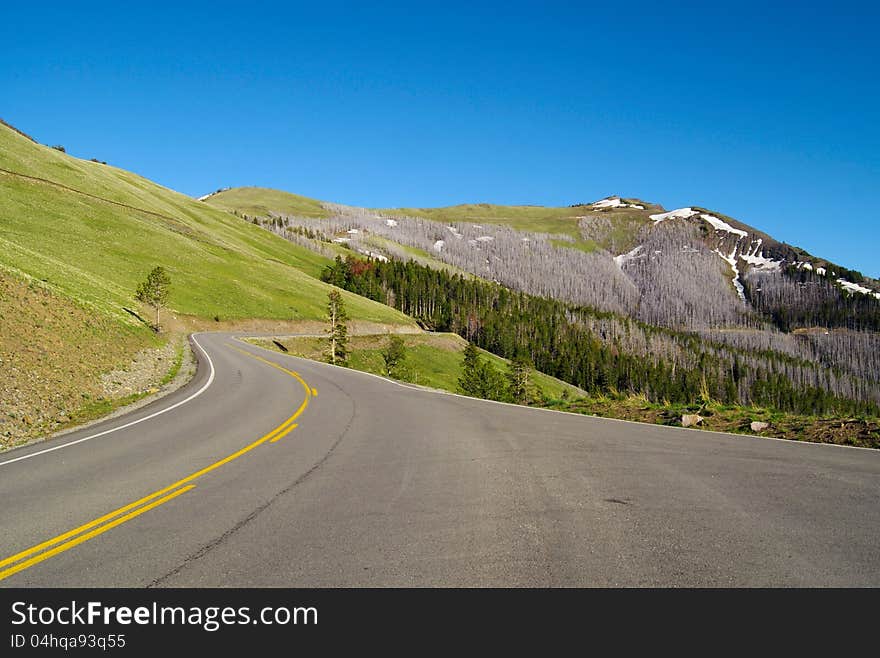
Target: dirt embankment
(63,364)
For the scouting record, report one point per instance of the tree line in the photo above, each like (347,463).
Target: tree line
(602,352)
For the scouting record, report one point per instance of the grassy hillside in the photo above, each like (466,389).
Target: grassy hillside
(261,201)
(538,219)
(432,360)
(52,355)
(76,237)
(625,222)
(94,231)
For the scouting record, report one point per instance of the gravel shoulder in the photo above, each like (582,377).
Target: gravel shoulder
(143,378)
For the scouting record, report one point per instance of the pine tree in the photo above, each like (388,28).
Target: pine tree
(519,371)
(154,291)
(394,355)
(470,381)
(338,330)
(492,383)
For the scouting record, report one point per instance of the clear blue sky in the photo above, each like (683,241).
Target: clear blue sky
(768,112)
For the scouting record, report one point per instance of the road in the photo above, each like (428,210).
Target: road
(276,471)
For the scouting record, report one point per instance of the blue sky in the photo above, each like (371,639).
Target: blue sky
(767,112)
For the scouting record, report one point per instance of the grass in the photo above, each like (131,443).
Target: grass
(534,219)
(262,202)
(175,365)
(735,419)
(587,246)
(432,360)
(537,219)
(96,243)
(52,354)
(418,255)
(76,237)
(102,406)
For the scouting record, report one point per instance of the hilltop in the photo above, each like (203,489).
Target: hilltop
(77,236)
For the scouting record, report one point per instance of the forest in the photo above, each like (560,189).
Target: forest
(601,351)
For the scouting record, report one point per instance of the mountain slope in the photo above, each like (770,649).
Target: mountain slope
(689,268)
(262,202)
(688,294)
(76,237)
(94,231)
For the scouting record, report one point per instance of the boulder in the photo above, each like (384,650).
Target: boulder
(689,420)
(759,426)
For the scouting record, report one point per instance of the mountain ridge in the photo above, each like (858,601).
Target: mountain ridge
(563,220)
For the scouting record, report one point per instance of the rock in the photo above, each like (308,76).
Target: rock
(759,426)
(689,420)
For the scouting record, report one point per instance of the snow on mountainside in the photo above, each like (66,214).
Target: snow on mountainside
(687,267)
(735,247)
(768,309)
(615,202)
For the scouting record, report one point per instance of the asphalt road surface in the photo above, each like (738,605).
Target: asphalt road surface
(300,474)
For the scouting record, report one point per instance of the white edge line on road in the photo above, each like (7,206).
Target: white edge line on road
(426,389)
(129,424)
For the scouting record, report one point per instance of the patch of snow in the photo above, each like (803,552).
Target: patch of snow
(391,222)
(485,238)
(341,239)
(610,202)
(454,232)
(821,271)
(687,249)
(805,266)
(202,198)
(353,231)
(731,260)
(721,225)
(760,262)
(373,254)
(478,226)
(438,246)
(621,260)
(683,213)
(854,287)
(615,202)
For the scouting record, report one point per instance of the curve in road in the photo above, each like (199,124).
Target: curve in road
(267,470)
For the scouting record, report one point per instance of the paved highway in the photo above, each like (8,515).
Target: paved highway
(267,470)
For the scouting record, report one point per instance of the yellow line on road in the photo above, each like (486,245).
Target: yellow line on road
(284,433)
(275,435)
(94,533)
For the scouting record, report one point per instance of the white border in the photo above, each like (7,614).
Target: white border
(129,424)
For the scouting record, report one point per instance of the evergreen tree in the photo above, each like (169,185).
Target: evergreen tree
(338,330)
(154,291)
(394,355)
(479,378)
(492,383)
(470,381)
(519,371)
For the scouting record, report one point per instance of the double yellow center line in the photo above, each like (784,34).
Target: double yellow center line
(64,542)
